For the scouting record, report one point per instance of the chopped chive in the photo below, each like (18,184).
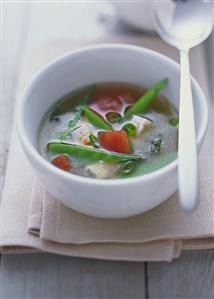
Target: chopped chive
(156,145)
(174,121)
(127,167)
(155,149)
(93,140)
(113,117)
(130,129)
(157,141)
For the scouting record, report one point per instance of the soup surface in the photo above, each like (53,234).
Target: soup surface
(110,130)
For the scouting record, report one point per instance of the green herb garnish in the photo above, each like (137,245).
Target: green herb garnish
(58,108)
(64,134)
(78,110)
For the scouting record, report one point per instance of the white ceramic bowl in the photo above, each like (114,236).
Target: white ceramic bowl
(111,62)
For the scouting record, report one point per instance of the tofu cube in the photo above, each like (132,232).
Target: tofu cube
(101,170)
(141,123)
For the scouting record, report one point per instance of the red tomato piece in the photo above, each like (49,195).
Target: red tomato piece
(62,162)
(116,141)
(109,103)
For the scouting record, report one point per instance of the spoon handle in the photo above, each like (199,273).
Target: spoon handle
(187,148)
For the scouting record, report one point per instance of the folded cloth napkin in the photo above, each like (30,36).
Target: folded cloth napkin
(33,220)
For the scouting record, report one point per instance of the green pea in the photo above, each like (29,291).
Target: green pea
(130,129)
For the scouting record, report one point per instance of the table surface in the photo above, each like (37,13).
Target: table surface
(42,275)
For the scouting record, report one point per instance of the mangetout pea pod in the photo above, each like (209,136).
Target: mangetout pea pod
(97,120)
(143,103)
(87,152)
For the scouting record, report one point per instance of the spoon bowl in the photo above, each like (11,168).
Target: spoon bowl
(183,24)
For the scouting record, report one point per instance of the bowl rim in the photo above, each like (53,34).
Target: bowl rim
(93,181)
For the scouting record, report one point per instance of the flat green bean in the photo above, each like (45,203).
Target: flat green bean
(87,152)
(143,103)
(96,120)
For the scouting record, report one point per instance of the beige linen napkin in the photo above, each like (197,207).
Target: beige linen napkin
(33,219)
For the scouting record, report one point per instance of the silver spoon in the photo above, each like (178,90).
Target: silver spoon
(185,24)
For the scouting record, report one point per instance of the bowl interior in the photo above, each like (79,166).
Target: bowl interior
(101,64)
